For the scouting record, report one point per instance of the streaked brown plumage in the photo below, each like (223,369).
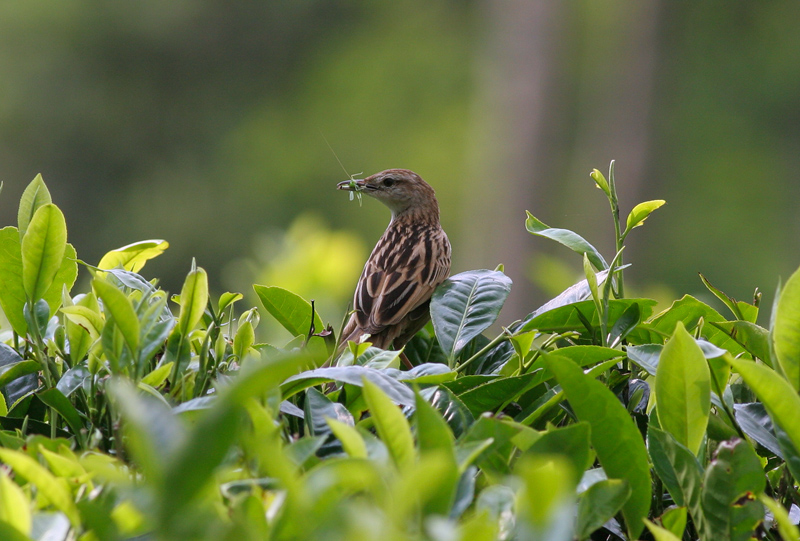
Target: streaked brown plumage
(408,262)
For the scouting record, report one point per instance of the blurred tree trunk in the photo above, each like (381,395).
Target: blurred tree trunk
(547,114)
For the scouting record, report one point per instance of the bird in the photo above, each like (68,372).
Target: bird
(412,257)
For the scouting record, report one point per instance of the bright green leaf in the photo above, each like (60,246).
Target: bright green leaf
(133,256)
(786,330)
(55,492)
(352,442)
(43,247)
(640,213)
(601,181)
(683,389)
(119,307)
(35,195)
(292,311)
(194,298)
(659,533)
(392,426)
(15,507)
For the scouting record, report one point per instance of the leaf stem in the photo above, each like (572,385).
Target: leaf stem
(497,340)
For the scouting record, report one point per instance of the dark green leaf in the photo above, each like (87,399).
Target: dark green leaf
(453,410)
(56,400)
(756,423)
(465,305)
(646,356)
(492,395)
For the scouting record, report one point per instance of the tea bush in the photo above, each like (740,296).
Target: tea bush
(591,418)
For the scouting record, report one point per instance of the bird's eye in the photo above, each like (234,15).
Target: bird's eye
(388,182)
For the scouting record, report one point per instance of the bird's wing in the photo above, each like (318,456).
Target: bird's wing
(399,276)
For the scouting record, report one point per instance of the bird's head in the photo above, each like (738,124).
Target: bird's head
(403,191)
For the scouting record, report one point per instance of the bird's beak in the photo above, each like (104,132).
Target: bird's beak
(348,185)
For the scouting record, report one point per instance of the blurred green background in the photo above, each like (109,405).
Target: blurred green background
(202,122)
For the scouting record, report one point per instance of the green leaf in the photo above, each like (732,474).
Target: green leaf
(571,441)
(546,498)
(465,305)
(679,470)
(133,256)
(601,181)
(15,508)
(56,400)
(43,247)
(615,437)
(244,339)
(55,492)
(35,195)
(352,442)
(568,238)
(435,438)
(12,294)
(194,299)
(495,393)
(599,504)
(690,311)
(659,533)
(786,330)
(290,310)
(683,390)
(753,338)
(10,372)
(571,317)
(733,481)
(640,213)
(392,426)
(433,433)
(726,300)
(781,400)
(353,375)
(119,307)
(228,298)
